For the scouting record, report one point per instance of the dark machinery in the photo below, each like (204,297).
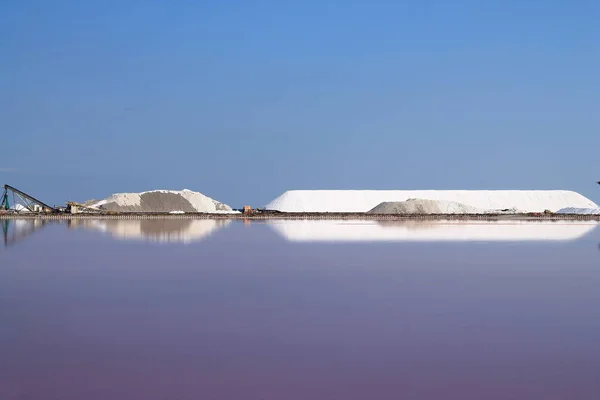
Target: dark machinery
(28,202)
(4,204)
(75,208)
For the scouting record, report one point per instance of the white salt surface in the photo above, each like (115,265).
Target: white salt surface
(365,200)
(579,211)
(422,206)
(199,201)
(427,231)
(19,208)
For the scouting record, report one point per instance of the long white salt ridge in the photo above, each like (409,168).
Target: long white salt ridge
(430,231)
(365,200)
(579,211)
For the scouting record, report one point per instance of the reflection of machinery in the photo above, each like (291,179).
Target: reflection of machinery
(21,201)
(16,230)
(5,231)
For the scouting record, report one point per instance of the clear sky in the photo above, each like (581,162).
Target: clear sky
(242,100)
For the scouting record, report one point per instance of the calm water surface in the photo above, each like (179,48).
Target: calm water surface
(186,310)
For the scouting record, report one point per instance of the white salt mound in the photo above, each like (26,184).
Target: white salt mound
(163,201)
(579,211)
(365,200)
(20,208)
(423,206)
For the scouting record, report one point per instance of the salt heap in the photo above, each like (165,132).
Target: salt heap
(162,201)
(365,200)
(19,208)
(423,206)
(579,211)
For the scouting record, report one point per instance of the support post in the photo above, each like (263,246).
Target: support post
(4,203)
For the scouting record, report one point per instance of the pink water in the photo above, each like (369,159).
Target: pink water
(245,314)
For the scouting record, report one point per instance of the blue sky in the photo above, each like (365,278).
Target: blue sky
(243,100)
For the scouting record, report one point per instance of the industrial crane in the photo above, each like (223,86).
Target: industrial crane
(13,196)
(28,202)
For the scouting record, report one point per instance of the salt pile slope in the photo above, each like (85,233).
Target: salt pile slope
(579,211)
(365,200)
(162,201)
(421,206)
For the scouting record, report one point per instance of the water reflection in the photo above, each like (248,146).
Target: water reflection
(160,231)
(245,315)
(341,231)
(14,231)
(188,231)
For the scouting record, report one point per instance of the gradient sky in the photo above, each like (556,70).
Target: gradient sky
(243,100)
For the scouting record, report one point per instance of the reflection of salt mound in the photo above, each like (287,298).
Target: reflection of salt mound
(26,226)
(417,231)
(365,200)
(424,206)
(162,201)
(18,229)
(163,230)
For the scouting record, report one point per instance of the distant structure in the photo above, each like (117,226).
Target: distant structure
(26,202)
(247,210)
